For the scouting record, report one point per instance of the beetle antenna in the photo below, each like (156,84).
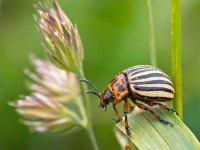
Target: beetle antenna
(93,92)
(89,83)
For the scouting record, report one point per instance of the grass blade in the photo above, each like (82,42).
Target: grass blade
(149,133)
(152,43)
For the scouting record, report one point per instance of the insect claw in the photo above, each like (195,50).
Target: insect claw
(128,133)
(165,122)
(173,110)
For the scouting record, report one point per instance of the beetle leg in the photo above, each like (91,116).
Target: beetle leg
(126,105)
(161,105)
(141,106)
(117,114)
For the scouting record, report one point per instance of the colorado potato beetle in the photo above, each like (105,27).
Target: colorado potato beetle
(144,85)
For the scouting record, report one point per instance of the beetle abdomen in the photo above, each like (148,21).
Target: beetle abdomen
(149,83)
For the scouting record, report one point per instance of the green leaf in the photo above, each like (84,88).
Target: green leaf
(149,133)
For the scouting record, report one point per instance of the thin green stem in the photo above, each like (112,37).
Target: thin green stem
(83,112)
(176,55)
(152,44)
(89,128)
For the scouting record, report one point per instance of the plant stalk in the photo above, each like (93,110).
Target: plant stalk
(152,44)
(80,104)
(176,55)
(86,98)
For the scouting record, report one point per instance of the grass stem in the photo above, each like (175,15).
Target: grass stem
(176,55)
(86,97)
(152,45)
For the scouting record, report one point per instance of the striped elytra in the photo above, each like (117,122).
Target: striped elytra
(149,83)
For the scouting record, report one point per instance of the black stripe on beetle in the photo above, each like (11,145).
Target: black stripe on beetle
(149,76)
(143,70)
(143,88)
(153,82)
(136,69)
(142,97)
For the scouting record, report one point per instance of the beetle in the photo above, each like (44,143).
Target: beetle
(144,85)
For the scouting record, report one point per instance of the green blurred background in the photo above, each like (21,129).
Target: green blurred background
(115,36)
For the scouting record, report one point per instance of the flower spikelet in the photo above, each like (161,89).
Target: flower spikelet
(55,101)
(42,114)
(65,46)
(53,82)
